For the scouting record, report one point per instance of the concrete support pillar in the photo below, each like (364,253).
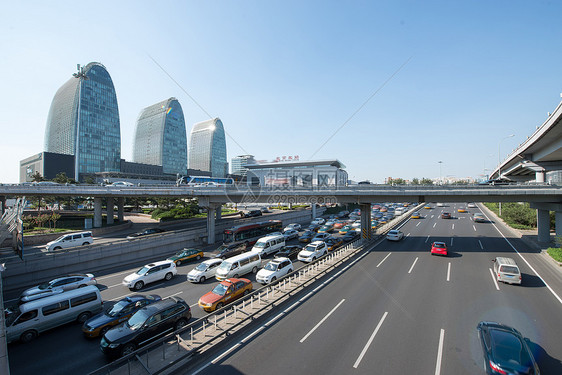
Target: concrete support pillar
(120,209)
(313,209)
(97,212)
(558,222)
(211,212)
(365,221)
(290,206)
(218,213)
(2,205)
(539,176)
(543,225)
(110,213)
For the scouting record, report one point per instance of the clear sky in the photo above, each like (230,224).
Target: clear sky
(284,76)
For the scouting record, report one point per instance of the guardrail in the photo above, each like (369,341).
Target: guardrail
(178,348)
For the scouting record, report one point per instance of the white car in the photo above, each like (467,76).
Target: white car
(318,221)
(163,270)
(122,183)
(471,205)
(204,270)
(58,285)
(290,234)
(313,251)
(356,225)
(274,270)
(293,226)
(394,235)
(440,204)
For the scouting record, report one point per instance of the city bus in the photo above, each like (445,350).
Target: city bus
(205,181)
(248,234)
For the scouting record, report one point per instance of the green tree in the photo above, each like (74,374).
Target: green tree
(89,180)
(426,181)
(36,177)
(54,218)
(415,181)
(62,178)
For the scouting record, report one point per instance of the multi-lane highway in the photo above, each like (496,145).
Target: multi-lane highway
(402,311)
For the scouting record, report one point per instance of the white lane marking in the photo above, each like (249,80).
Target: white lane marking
(370,341)
(482,247)
(413,264)
(434,224)
(114,274)
(427,239)
(130,294)
(171,295)
(113,286)
(473,227)
(383,260)
(432,216)
(440,352)
(494,278)
(525,260)
(453,227)
(407,234)
(419,222)
(322,321)
(449,272)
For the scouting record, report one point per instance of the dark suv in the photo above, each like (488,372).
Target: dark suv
(250,213)
(505,350)
(149,323)
(227,251)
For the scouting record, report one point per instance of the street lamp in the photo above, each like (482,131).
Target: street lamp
(500,167)
(440,174)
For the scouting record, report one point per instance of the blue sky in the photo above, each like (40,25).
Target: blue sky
(283,76)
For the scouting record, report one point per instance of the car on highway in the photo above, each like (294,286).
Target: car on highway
(313,251)
(122,183)
(345,229)
(439,248)
(350,236)
(394,235)
(225,292)
(325,229)
(145,232)
(506,270)
(471,205)
(146,325)
(186,255)
(70,240)
(293,226)
(440,205)
(427,207)
(307,236)
(416,215)
(314,227)
(446,215)
(290,234)
(252,213)
(121,311)
(321,237)
(333,243)
(290,252)
(230,250)
(273,270)
(58,285)
(318,221)
(505,350)
(342,214)
(163,270)
(338,225)
(462,210)
(479,217)
(204,270)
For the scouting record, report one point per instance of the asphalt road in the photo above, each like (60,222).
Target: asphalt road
(402,311)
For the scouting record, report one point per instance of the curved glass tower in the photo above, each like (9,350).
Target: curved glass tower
(160,137)
(84,121)
(207,148)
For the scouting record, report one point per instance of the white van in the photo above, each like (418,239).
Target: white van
(239,265)
(28,320)
(506,270)
(269,244)
(70,240)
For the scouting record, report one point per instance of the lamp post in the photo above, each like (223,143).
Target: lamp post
(440,173)
(500,166)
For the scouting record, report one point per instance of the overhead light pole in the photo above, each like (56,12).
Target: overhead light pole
(440,172)
(500,166)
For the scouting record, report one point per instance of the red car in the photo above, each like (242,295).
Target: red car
(439,248)
(445,215)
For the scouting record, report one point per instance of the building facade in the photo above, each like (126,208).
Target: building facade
(47,164)
(238,164)
(160,137)
(207,148)
(83,121)
(327,174)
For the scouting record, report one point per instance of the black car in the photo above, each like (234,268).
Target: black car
(314,227)
(145,232)
(350,236)
(505,350)
(290,252)
(342,214)
(251,213)
(147,324)
(99,324)
(307,236)
(227,251)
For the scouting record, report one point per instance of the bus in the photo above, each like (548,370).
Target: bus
(248,234)
(205,181)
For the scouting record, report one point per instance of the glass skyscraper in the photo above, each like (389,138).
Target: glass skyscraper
(84,121)
(238,164)
(207,148)
(160,137)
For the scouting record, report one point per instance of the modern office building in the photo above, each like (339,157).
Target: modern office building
(160,137)
(238,164)
(207,148)
(83,121)
(47,164)
(327,174)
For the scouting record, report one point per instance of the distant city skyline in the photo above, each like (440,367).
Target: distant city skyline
(291,78)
